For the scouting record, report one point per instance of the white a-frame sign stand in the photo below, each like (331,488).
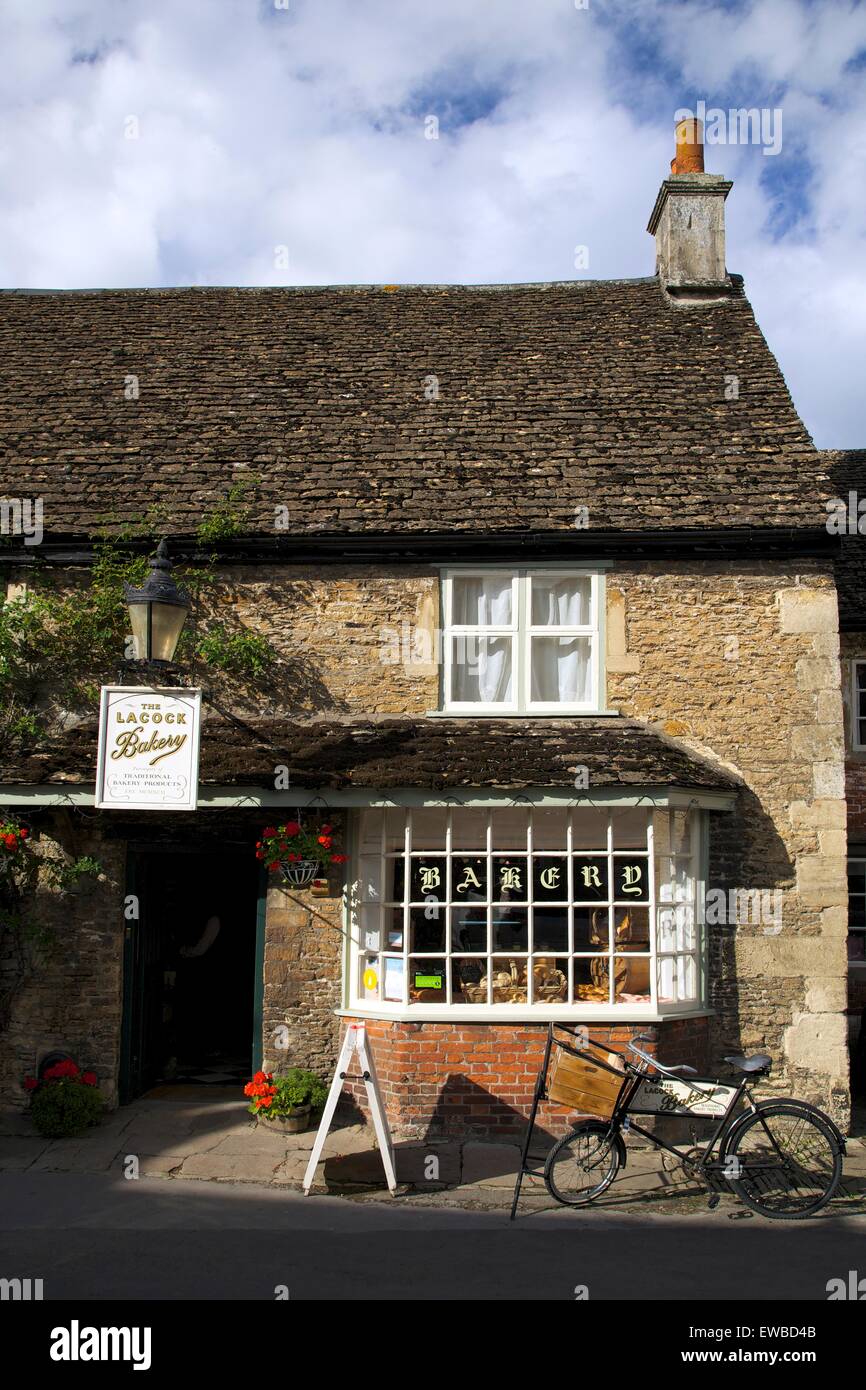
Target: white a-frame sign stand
(355,1044)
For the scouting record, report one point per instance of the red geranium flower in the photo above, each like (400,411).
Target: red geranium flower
(24,832)
(30,1083)
(268,831)
(291,827)
(89,1078)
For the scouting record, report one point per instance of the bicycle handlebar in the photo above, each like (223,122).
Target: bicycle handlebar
(666,1071)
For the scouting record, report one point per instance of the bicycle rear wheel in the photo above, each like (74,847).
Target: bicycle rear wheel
(784,1159)
(583,1164)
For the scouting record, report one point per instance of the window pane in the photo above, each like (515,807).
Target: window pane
(551,928)
(469,928)
(428,828)
(561,670)
(677,929)
(558,602)
(469,981)
(549,980)
(674,880)
(591,976)
(427,984)
(583,928)
(629,828)
(468,878)
(590,878)
(550,829)
(426,929)
(550,878)
(631,879)
(481,600)
(677,979)
(589,829)
(393,979)
(468,829)
(510,929)
(631,975)
(481,671)
(510,878)
(672,830)
(509,980)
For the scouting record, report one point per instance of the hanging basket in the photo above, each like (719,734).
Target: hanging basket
(299,872)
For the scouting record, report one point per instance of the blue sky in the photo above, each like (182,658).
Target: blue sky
(287,142)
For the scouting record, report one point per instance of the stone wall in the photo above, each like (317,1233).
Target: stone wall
(302,977)
(742,663)
(70,999)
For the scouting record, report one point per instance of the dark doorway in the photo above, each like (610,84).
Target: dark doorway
(189,969)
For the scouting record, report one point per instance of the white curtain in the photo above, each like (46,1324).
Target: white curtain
(482,665)
(482,601)
(560,602)
(561,670)
(482,669)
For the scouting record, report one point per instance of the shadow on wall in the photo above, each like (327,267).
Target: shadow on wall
(465,1110)
(749,862)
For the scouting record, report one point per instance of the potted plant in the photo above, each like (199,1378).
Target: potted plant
(65,1100)
(298,851)
(283,1103)
(12,838)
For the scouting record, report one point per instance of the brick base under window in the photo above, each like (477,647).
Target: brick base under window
(477,1080)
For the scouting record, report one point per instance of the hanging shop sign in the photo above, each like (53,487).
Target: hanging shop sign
(148,749)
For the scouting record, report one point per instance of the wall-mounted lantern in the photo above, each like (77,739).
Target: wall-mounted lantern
(157,612)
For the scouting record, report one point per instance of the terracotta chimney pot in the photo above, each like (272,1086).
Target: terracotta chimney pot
(690,148)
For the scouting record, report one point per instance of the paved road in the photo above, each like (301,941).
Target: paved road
(99,1236)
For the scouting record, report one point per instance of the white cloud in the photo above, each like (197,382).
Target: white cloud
(305,128)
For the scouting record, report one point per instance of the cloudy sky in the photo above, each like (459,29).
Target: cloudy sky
(178,142)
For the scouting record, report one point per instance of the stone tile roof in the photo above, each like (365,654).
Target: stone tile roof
(847,473)
(550,397)
(401,752)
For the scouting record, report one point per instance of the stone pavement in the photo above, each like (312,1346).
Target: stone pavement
(215,1140)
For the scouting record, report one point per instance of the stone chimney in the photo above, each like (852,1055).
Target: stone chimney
(688,222)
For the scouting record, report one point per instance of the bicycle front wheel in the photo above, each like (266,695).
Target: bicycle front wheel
(583,1164)
(784,1160)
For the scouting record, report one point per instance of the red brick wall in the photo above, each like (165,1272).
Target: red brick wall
(449,1079)
(855,793)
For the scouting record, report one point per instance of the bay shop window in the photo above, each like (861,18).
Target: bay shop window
(545,911)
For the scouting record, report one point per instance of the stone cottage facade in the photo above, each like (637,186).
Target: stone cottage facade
(552,608)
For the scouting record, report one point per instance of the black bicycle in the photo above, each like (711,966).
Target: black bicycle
(782,1158)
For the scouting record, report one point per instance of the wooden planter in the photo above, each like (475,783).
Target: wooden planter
(294,1123)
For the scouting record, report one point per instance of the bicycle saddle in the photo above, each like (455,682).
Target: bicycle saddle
(760,1062)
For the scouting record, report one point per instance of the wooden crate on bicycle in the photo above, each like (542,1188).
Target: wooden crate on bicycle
(582,1085)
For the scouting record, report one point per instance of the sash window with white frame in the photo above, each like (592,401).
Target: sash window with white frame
(549,912)
(524,641)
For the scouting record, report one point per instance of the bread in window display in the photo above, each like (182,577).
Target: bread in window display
(548,982)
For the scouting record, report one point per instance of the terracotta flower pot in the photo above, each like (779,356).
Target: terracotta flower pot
(294,1123)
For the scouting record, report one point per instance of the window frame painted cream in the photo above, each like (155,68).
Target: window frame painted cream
(357,922)
(521,633)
